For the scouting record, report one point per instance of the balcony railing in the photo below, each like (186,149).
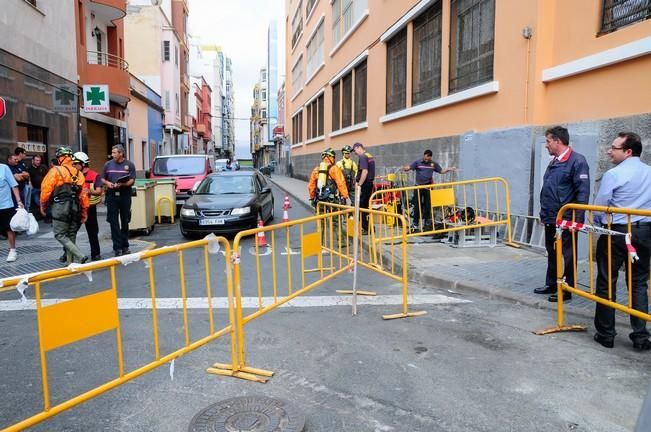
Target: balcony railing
(106,59)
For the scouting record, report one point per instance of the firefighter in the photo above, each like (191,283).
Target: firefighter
(349,168)
(327,184)
(94,190)
(63,189)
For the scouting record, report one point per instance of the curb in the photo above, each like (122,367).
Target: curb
(296,198)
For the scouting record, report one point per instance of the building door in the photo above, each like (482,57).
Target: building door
(98,144)
(98,40)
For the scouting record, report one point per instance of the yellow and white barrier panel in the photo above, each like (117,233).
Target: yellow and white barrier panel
(620,298)
(447,207)
(321,252)
(94,318)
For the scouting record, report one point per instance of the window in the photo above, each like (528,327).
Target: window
(309,5)
(263,114)
(620,13)
(264,95)
(472,35)
(345,14)
(360,93)
(315,56)
(297,128)
(166,50)
(426,79)
(315,118)
(397,72)
(336,91)
(177,110)
(347,100)
(297,76)
(176,55)
(167,100)
(297,24)
(263,76)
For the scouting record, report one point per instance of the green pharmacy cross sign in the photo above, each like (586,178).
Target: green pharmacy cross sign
(64,99)
(96,98)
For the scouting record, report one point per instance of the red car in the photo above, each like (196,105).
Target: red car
(188,170)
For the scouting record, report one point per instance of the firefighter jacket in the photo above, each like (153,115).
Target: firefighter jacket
(349,168)
(64,175)
(335,179)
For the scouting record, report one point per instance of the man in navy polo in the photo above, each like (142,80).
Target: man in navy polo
(118,176)
(425,169)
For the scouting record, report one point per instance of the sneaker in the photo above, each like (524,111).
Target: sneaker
(96,258)
(12,255)
(126,251)
(117,252)
(84,260)
(63,258)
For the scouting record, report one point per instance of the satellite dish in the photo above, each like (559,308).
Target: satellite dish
(155,2)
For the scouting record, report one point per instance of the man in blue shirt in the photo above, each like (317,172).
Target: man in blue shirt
(627,185)
(8,190)
(118,176)
(566,180)
(425,169)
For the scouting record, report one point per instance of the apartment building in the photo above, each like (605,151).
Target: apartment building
(228,107)
(180,13)
(38,77)
(476,81)
(261,146)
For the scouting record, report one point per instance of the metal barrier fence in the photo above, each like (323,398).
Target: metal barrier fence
(325,242)
(449,207)
(63,323)
(618,298)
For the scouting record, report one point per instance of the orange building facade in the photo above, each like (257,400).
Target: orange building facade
(100,60)
(475,81)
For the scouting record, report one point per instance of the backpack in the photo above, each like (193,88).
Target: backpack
(66,206)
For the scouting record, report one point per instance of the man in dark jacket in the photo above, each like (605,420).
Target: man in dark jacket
(566,180)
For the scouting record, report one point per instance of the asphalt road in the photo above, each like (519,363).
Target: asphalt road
(470,364)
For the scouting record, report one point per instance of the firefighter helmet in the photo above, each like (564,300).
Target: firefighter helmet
(63,151)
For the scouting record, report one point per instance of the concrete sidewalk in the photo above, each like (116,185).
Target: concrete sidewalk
(498,272)
(41,251)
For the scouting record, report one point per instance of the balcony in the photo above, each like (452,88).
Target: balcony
(201,129)
(109,10)
(106,68)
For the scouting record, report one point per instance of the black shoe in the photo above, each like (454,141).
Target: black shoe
(117,253)
(84,260)
(554,298)
(63,258)
(605,340)
(96,258)
(126,251)
(643,345)
(545,290)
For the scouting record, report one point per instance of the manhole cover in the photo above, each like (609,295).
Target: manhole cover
(249,414)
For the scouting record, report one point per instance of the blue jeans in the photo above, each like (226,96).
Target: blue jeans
(36,198)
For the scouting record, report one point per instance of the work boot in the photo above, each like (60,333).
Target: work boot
(63,258)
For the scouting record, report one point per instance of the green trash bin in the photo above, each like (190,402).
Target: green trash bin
(165,197)
(143,206)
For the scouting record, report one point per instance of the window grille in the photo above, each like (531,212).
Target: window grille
(347,100)
(360,93)
(620,13)
(336,119)
(397,72)
(426,77)
(166,50)
(319,103)
(472,36)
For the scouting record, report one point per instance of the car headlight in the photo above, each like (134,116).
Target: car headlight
(241,211)
(187,212)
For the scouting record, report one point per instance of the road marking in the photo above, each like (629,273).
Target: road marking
(249,302)
(290,251)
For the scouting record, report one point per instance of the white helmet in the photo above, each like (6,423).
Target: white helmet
(81,157)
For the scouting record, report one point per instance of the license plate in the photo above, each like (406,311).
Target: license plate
(180,202)
(211,221)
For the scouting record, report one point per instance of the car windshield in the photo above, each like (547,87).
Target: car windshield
(226,185)
(178,166)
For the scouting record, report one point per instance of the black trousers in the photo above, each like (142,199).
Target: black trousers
(118,215)
(569,270)
(92,228)
(422,208)
(364,198)
(604,319)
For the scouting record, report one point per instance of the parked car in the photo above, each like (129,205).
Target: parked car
(222,165)
(187,169)
(227,202)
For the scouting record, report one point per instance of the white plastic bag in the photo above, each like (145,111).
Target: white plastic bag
(33,225)
(20,221)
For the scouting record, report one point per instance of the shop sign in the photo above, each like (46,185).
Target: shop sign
(3,107)
(96,98)
(63,99)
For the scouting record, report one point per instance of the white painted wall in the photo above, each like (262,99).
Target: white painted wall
(44,36)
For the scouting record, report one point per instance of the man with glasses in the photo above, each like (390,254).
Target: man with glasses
(627,185)
(566,180)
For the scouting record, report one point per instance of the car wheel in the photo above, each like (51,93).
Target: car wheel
(186,234)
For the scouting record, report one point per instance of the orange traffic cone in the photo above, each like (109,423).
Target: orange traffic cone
(261,239)
(286,206)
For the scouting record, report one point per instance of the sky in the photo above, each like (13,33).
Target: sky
(240,28)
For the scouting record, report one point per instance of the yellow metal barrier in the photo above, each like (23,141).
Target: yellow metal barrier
(322,239)
(568,213)
(81,318)
(453,206)
(171,205)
